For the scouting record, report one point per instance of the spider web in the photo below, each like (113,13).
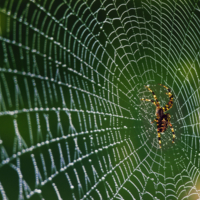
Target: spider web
(72,73)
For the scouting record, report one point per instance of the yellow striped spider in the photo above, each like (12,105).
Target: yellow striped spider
(162,119)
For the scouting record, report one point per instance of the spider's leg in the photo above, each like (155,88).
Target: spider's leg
(158,131)
(170,103)
(159,139)
(172,129)
(154,96)
(153,121)
(149,100)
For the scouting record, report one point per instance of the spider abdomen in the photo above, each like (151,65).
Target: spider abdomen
(162,125)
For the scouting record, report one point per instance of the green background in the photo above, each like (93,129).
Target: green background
(72,125)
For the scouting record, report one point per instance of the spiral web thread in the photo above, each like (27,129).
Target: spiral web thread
(72,73)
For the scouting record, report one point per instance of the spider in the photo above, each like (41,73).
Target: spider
(162,119)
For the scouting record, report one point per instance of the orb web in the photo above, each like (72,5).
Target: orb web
(72,73)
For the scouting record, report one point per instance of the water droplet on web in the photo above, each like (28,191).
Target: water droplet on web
(38,191)
(71,187)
